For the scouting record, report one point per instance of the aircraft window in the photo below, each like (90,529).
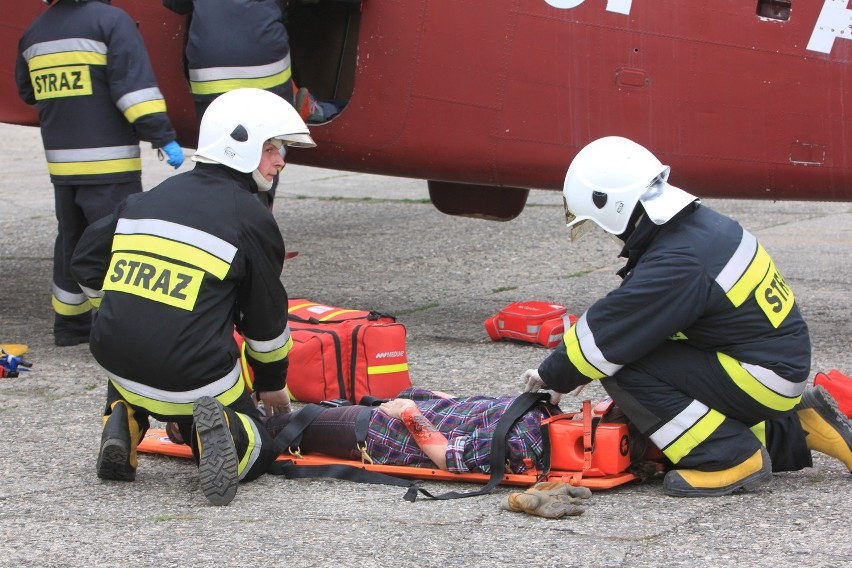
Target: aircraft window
(774,9)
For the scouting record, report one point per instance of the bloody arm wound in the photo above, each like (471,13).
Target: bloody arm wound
(428,438)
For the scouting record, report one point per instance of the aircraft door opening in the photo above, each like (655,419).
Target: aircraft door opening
(323,46)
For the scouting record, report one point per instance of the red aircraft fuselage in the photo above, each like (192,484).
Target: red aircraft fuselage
(742,98)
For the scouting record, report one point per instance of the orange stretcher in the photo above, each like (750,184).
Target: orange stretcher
(596,461)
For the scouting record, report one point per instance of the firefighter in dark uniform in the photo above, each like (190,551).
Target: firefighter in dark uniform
(172,271)
(218,57)
(85,67)
(701,343)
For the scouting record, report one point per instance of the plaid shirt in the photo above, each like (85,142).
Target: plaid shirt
(467,422)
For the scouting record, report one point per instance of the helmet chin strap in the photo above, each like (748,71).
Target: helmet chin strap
(635,218)
(262,183)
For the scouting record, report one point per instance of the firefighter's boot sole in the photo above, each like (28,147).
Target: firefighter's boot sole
(828,430)
(217,462)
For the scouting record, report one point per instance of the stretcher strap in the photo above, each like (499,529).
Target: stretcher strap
(291,436)
(497,460)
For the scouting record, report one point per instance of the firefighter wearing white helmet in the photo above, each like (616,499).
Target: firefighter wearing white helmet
(173,271)
(703,339)
(609,177)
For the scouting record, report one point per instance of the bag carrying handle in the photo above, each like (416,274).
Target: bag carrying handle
(371,316)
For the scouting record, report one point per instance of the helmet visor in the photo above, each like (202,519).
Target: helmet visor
(298,140)
(578,228)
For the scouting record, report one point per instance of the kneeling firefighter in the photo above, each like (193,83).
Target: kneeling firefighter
(702,341)
(172,271)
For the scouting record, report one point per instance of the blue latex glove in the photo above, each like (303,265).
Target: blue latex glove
(174,154)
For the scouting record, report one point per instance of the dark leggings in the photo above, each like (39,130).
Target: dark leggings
(332,433)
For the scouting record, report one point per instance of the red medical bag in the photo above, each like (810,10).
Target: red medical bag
(342,353)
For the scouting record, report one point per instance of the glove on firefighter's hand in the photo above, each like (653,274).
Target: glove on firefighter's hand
(174,154)
(531,382)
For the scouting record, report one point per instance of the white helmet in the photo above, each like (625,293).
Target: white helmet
(237,123)
(609,177)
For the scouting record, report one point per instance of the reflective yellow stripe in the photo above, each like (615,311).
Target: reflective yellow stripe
(176,408)
(67,58)
(64,309)
(751,278)
(694,436)
(225,85)
(96,167)
(96,302)
(246,459)
(300,306)
(337,313)
(575,355)
(384,369)
(271,356)
(244,368)
(142,109)
(175,250)
(754,388)
(759,430)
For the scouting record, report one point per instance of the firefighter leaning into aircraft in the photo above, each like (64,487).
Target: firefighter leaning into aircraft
(235,44)
(84,66)
(702,341)
(172,271)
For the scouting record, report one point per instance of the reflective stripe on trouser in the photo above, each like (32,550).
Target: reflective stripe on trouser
(691,409)
(77,206)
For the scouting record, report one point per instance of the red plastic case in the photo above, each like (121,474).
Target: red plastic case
(542,323)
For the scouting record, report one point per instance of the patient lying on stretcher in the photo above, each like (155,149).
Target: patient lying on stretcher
(421,428)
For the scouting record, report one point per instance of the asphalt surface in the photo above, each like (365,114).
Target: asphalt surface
(377,243)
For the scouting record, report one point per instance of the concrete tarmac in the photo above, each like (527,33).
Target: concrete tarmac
(373,242)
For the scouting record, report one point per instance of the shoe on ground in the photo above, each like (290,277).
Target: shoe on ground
(217,463)
(117,459)
(827,429)
(69,339)
(750,475)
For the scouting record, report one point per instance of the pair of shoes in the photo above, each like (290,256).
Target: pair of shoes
(751,474)
(549,499)
(307,105)
(218,471)
(117,456)
(827,429)
(67,339)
